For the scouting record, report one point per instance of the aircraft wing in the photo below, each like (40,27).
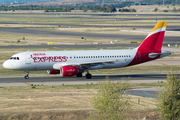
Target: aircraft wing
(84,64)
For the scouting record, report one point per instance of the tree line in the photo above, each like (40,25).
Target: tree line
(66,8)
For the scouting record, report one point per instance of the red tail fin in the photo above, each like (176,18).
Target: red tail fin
(155,38)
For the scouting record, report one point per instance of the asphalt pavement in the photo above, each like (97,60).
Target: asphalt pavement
(42,32)
(58,80)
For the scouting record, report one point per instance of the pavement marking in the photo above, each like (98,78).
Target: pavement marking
(27,83)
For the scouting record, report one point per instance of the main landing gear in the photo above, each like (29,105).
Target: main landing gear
(88,75)
(27,75)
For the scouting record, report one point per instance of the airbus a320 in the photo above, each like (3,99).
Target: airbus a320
(74,63)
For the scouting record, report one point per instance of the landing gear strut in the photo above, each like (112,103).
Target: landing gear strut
(27,75)
(88,75)
(79,74)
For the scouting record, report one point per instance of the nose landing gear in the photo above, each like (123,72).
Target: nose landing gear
(27,75)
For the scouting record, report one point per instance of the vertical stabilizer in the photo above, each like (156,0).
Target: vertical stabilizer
(155,38)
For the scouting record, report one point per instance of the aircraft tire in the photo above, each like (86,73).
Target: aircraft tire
(88,76)
(26,77)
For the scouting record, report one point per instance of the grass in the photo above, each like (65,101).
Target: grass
(54,49)
(62,102)
(62,20)
(82,87)
(45,39)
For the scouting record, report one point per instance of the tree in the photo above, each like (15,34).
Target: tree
(174,9)
(168,100)
(46,10)
(155,10)
(165,10)
(110,102)
(132,10)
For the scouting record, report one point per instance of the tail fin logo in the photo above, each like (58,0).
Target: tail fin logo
(155,38)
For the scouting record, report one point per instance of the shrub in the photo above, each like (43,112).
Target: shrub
(110,102)
(165,10)
(168,100)
(155,10)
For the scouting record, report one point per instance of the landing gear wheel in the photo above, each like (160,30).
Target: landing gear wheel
(26,77)
(88,76)
(79,74)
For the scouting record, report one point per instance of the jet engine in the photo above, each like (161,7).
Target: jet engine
(68,70)
(53,71)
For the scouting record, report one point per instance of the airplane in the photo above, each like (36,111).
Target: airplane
(74,63)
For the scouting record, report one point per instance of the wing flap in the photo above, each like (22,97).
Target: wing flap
(84,64)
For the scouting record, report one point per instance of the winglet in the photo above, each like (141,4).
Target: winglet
(155,38)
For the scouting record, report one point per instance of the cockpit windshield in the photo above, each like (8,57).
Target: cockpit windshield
(14,58)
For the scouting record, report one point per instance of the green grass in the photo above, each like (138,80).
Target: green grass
(36,19)
(5,56)
(87,86)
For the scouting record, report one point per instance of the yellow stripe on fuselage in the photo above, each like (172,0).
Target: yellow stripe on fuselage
(159,25)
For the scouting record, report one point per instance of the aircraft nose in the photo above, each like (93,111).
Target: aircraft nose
(5,64)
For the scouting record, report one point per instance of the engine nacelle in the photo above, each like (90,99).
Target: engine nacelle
(53,71)
(68,70)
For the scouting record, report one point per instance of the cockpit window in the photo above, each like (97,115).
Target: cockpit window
(14,58)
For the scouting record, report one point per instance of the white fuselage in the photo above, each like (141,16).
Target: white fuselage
(47,60)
